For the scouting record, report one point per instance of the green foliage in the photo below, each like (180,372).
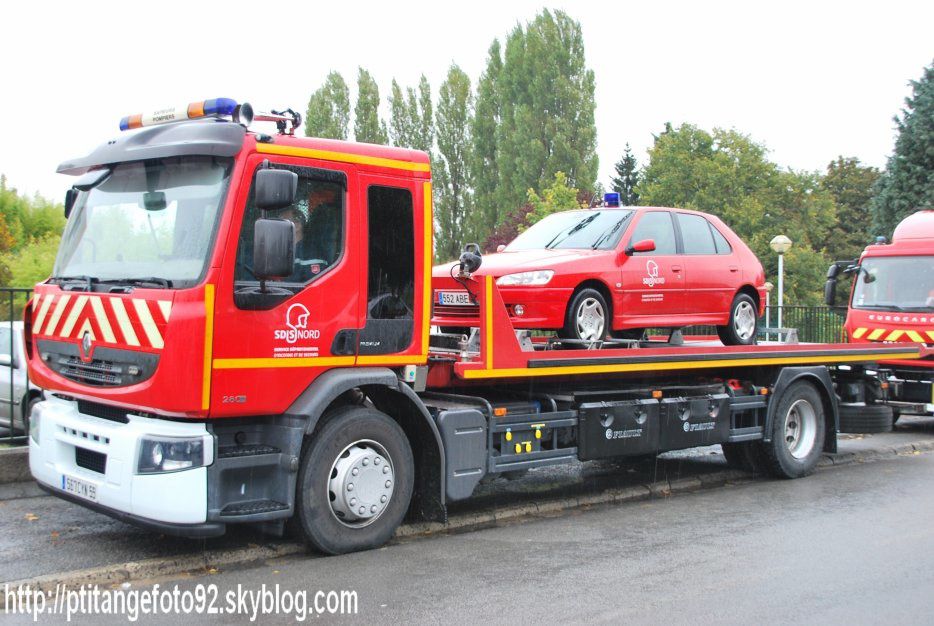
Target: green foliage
(328,114)
(367,126)
(558,196)
(452,167)
(545,95)
(487,117)
(908,181)
(626,179)
(727,174)
(24,223)
(851,185)
(410,119)
(33,262)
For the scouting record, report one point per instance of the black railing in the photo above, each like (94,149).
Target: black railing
(815,324)
(15,392)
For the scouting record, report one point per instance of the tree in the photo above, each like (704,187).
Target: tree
(626,179)
(367,126)
(400,132)
(908,181)
(851,186)
(452,167)
(487,116)
(558,196)
(410,119)
(546,100)
(328,114)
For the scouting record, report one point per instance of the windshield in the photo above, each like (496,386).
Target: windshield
(592,228)
(903,283)
(149,221)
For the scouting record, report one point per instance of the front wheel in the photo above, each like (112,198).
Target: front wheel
(741,327)
(355,481)
(587,317)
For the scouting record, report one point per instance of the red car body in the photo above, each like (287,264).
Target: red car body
(672,286)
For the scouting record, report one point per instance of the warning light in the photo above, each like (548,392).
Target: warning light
(215,107)
(611,199)
(657,394)
(499,411)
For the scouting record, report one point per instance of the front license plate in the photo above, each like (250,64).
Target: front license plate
(80,488)
(454,298)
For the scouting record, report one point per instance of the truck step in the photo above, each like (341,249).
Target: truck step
(253,507)
(250,449)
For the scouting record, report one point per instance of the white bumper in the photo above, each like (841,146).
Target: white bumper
(171,498)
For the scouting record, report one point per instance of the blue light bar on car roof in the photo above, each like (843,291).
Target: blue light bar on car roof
(611,199)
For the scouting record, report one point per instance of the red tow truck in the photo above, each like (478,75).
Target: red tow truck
(237,330)
(891,302)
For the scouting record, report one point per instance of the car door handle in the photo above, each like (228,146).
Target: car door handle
(675,268)
(734,268)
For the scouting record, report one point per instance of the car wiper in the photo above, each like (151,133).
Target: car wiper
(606,235)
(165,283)
(577,227)
(88,281)
(882,307)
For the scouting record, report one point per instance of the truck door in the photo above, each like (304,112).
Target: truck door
(653,282)
(271,341)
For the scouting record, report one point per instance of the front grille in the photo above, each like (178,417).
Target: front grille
(110,367)
(95,372)
(471,311)
(103,411)
(90,460)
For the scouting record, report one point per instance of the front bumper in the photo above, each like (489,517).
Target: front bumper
(174,502)
(543,308)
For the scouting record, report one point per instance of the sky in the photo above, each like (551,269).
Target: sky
(810,80)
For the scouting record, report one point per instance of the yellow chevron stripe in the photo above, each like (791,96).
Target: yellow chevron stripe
(87,328)
(149,324)
(73,316)
(43,310)
(859,332)
(914,336)
(166,307)
(931,334)
(98,307)
(874,335)
(123,320)
(57,314)
(895,335)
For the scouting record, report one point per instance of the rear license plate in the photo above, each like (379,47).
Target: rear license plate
(454,298)
(80,488)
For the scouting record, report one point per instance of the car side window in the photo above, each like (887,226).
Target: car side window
(317,217)
(5,342)
(695,234)
(656,225)
(723,246)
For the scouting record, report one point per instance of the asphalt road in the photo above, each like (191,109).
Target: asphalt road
(847,545)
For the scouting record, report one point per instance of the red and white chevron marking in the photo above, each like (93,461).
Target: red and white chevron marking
(130,322)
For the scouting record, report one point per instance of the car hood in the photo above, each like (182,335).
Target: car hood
(502,263)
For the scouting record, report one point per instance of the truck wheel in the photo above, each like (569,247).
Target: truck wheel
(587,317)
(741,328)
(866,418)
(355,481)
(797,432)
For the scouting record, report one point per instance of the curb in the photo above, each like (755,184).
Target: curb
(14,465)
(211,561)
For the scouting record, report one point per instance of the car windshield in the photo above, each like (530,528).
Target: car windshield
(898,283)
(147,222)
(597,229)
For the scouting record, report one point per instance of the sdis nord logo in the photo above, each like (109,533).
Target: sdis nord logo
(296,318)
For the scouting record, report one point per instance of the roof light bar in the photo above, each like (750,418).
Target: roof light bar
(241,113)
(611,199)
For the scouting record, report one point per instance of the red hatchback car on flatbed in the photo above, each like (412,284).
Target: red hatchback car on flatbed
(594,273)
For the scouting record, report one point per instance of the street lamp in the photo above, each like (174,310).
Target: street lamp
(780,244)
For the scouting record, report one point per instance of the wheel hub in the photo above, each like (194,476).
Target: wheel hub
(800,429)
(591,320)
(361,483)
(744,321)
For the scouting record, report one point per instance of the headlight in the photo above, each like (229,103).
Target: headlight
(170,454)
(538,277)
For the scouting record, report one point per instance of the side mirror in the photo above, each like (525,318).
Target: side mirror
(275,189)
(830,290)
(646,245)
(273,248)
(833,271)
(70,196)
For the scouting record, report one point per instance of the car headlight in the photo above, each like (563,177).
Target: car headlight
(531,279)
(170,454)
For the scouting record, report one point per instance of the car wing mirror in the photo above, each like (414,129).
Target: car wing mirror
(645,245)
(273,248)
(501,247)
(275,189)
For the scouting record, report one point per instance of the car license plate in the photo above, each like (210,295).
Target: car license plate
(454,298)
(80,488)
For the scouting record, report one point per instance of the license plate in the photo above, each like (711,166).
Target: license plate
(454,298)
(80,488)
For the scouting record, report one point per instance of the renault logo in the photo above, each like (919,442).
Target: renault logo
(86,345)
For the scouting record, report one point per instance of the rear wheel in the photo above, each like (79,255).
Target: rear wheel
(355,481)
(741,328)
(587,317)
(797,432)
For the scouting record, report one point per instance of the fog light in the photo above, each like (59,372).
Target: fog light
(519,310)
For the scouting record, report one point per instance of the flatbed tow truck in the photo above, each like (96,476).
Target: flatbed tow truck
(191,385)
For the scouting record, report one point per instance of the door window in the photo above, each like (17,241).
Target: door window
(695,234)
(723,246)
(656,225)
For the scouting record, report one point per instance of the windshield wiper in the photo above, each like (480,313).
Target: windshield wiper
(883,306)
(165,283)
(88,281)
(606,235)
(577,227)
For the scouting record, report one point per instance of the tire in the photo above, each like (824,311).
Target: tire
(587,317)
(741,328)
(353,439)
(746,456)
(797,432)
(866,418)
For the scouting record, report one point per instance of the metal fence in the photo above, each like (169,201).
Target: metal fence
(815,324)
(14,379)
